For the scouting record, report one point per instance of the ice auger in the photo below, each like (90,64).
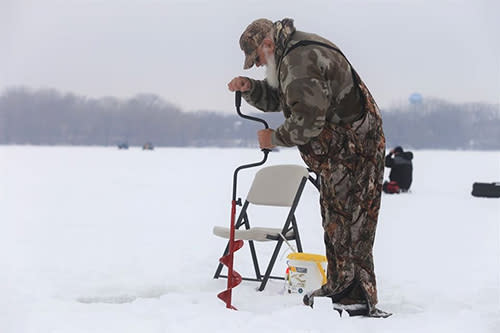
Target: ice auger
(233,277)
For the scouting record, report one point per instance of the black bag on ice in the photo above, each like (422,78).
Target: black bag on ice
(486,190)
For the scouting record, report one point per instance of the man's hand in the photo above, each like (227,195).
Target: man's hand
(239,83)
(265,138)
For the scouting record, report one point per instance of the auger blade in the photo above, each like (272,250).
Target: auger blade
(225,296)
(235,279)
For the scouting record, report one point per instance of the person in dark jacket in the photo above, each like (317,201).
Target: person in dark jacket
(401,166)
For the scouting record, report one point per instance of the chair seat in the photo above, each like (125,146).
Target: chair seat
(255,233)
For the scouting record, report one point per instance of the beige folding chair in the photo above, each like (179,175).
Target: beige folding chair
(278,185)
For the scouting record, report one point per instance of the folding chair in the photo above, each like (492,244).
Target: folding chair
(278,185)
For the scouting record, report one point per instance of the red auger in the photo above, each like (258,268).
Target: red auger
(233,278)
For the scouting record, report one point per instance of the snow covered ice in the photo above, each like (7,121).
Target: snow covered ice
(98,239)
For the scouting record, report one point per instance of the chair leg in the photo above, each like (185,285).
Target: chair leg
(291,216)
(271,265)
(296,233)
(253,253)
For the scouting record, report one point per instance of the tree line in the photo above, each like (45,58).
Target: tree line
(49,117)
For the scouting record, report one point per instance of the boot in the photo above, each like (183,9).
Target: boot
(359,309)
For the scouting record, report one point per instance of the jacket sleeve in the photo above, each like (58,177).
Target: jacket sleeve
(262,96)
(308,103)
(389,161)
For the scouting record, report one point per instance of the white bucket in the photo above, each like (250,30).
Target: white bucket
(305,272)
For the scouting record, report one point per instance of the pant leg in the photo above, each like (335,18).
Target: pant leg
(350,200)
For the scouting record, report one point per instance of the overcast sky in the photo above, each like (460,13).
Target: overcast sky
(186,51)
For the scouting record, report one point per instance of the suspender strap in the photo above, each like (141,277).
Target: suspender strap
(313,42)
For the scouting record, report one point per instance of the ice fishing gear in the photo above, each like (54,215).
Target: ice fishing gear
(305,272)
(233,277)
(486,190)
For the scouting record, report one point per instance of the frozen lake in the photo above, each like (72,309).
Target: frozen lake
(98,239)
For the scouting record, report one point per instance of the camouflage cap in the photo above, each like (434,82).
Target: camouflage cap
(252,37)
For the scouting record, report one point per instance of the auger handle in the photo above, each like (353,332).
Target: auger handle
(237,100)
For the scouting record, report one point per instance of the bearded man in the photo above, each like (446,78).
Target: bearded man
(334,121)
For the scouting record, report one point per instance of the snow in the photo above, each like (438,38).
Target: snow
(98,239)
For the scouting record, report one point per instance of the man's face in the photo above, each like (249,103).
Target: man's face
(260,60)
(264,52)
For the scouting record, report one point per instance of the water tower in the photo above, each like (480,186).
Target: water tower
(415,99)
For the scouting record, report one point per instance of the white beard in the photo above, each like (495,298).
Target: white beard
(271,71)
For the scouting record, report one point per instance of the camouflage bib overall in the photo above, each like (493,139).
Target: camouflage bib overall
(350,161)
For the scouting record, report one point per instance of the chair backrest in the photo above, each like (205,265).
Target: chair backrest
(276,185)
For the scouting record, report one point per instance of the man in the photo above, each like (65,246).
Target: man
(334,121)
(401,168)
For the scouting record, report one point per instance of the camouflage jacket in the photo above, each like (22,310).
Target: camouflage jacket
(315,88)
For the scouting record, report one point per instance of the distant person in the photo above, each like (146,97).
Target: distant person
(401,174)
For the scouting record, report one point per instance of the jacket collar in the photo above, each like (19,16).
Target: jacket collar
(283,30)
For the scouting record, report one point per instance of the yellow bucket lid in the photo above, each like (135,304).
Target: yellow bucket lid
(306,257)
